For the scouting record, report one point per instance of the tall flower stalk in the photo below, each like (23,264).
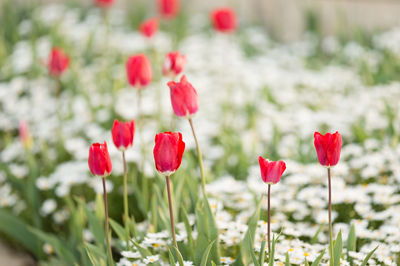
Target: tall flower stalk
(168,151)
(100,165)
(271,173)
(328,149)
(122,135)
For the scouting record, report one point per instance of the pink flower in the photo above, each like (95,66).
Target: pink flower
(138,71)
(168,152)
(149,27)
(168,8)
(328,148)
(123,134)
(24,134)
(173,64)
(271,172)
(184,98)
(224,20)
(58,62)
(99,160)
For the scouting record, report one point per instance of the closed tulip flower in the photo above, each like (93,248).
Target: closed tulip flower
(104,3)
(123,134)
(149,27)
(25,135)
(99,160)
(224,20)
(328,148)
(271,172)
(58,62)
(138,70)
(173,64)
(168,151)
(184,97)
(168,8)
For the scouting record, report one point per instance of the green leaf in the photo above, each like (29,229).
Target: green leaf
(351,239)
(337,250)
(207,231)
(287,260)
(118,229)
(58,245)
(143,251)
(253,255)
(188,228)
(365,261)
(314,239)
(171,257)
(262,253)
(96,225)
(179,256)
(204,259)
(245,251)
(306,262)
(318,259)
(96,254)
(272,255)
(18,230)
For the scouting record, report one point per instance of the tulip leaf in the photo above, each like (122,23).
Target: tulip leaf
(287,259)
(17,229)
(351,239)
(314,239)
(171,257)
(337,250)
(253,255)
(179,256)
(143,251)
(262,252)
(207,231)
(365,261)
(272,255)
(95,254)
(245,251)
(204,258)
(317,261)
(188,232)
(118,229)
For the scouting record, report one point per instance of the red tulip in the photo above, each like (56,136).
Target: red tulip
(224,19)
(104,3)
(138,70)
(173,64)
(271,172)
(149,27)
(99,160)
(168,152)
(58,62)
(122,134)
(328,148)
(168,8)
(183,97)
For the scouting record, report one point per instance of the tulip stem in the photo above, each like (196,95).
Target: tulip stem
(200,158)
(126,207)
(269,220)
(330,217)
(108,236)
(171,212)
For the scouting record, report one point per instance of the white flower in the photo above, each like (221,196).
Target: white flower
(151,259)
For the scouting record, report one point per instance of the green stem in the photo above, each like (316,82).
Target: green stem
(108,235)
(200,158)
(330,217)
(171,212)
(126,207)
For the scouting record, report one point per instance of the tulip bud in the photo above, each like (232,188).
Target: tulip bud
(328,148)
(99,160)
(168,152)
(271,172)
(138,70)
(173,64)
(24,134)
(122,134)
(149,27)
(168,8)
(104,3)
(184,98)
(58,62)
(224,20)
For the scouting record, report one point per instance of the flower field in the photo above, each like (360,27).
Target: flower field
(241,180)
